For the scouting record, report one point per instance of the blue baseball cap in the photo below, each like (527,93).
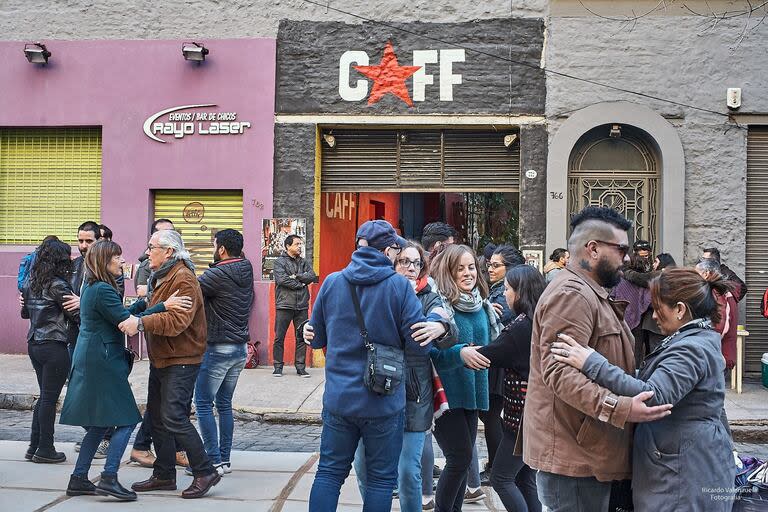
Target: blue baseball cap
(380,234)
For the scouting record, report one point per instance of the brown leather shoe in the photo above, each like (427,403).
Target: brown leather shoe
(144,458)
(181,459)
(201,485)
(154,484)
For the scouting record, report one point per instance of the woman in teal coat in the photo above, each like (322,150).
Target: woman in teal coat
(99,396)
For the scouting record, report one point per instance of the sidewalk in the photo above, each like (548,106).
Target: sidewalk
(293,399)
(259,482)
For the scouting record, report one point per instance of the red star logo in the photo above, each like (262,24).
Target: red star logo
(388,77)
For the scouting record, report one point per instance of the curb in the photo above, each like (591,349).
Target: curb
(27,401)
(744,431)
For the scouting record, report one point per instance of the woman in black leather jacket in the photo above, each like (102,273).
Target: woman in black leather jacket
(51,328)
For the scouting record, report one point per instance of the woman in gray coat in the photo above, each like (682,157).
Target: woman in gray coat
(683,461)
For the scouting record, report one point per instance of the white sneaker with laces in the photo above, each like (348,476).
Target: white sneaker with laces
(101,451)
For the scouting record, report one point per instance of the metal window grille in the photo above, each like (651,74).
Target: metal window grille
(50,182)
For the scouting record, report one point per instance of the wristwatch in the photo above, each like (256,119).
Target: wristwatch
(609,405)
(140,326)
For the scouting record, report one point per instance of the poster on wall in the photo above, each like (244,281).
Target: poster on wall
(534,258)
(273,234)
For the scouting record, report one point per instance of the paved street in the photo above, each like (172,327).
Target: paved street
(249,435)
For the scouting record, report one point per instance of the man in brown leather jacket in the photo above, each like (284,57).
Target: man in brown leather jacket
(176,345)
(576,433)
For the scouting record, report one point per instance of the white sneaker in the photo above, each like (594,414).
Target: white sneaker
(101,451)
(219,469)
(474,496)
(226,467)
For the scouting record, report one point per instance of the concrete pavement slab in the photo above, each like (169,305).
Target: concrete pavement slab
(21,499)
(268,461)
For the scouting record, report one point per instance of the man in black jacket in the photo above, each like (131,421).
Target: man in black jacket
(228,293)
(292,276)
(740,290)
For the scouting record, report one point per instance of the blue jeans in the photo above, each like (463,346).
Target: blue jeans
(383,440)
(91,441)
(513,480)
(408,469)
(427,466)
(571,494)
(473,473)
(216,383)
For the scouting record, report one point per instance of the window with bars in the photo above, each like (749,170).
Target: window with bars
(50,182)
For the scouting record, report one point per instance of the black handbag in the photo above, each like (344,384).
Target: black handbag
(130,357)
(385,365)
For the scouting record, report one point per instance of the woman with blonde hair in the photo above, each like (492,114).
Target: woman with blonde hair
(462,370)
(99,396)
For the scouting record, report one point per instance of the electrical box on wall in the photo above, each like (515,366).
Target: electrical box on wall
(733,98)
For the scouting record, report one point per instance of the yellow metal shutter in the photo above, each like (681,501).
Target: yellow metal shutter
(198,215)
(50,182)
(757,245)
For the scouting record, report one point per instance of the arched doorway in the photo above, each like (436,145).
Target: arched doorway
(658,136)
(617,165)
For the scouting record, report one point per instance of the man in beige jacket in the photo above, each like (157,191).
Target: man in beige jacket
(576,433)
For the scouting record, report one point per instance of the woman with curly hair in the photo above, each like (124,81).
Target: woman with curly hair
(51,328)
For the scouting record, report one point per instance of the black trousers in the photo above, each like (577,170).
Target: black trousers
(455,432)
(494,427)
(170,391)
(143,439)
(283,318)
(51,363)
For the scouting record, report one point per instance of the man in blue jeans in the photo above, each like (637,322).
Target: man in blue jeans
(350,411)
(228,294)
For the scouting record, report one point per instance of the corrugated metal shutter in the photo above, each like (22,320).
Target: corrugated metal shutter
(50,182)
(366,159)
(419,160)
(475,161)
(198,215)
(757,245)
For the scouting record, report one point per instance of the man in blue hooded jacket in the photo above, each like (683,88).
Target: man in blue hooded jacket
(393,316)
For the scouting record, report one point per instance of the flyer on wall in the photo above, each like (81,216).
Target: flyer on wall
(273,235)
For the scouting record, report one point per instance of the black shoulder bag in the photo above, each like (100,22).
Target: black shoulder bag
(385,366)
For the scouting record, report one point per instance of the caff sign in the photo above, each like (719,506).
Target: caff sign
(189,120)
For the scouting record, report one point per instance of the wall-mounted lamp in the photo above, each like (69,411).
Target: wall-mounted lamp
(404,137)
(509,140)
(194,52)
(330,140)
(615,131)
(36,53)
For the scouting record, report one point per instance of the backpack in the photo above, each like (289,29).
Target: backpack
(764,305)
(252,359)
(25,269)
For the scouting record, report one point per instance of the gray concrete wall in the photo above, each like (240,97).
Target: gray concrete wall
(294,185)
(206,19)
(675,58)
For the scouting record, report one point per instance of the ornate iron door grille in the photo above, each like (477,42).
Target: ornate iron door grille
(631,189)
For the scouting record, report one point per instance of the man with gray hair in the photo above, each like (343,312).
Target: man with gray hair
(176,341)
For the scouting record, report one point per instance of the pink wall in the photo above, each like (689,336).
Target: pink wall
(117,85)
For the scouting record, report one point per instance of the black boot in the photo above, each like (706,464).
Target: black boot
(80,486)
(49,456)
(109,486)
(30,452)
